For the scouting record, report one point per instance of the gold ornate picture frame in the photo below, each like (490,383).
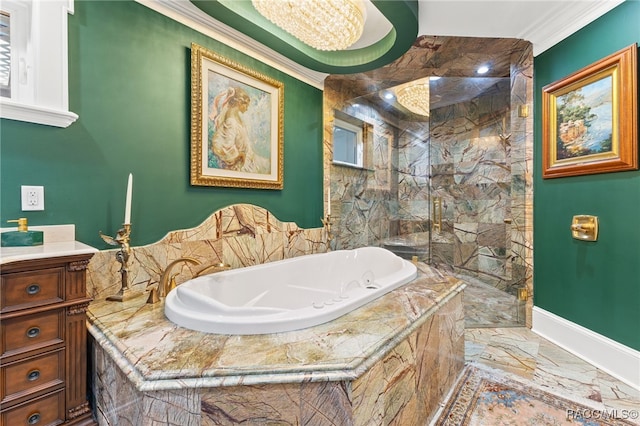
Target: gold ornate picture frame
(590,119)
(236,124)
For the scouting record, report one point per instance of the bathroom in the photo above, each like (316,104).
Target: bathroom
(132,96)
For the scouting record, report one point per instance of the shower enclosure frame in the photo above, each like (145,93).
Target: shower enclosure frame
(355,205)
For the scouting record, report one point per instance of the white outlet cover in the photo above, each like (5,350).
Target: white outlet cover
(32,198)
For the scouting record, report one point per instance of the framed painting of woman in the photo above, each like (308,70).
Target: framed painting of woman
(236,124)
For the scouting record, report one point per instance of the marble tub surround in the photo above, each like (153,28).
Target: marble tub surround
(339,347)
(404,387)
(392,360)
(238,235)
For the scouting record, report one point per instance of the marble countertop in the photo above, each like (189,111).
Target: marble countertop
(59,240)
(57,249)
(156,354)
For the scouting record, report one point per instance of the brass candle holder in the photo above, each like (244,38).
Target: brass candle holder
(122,239)
(326,222)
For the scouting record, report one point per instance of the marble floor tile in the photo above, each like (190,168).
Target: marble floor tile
(519,353)
(558,369)
(494,340)
(509,352)
(617,395)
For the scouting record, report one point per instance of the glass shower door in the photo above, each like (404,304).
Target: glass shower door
(471,186)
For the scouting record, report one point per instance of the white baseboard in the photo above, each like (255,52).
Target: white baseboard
(620,361)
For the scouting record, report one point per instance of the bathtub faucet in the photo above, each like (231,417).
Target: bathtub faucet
(168,280)
(216,267)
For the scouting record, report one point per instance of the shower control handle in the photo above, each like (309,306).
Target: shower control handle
(437,214)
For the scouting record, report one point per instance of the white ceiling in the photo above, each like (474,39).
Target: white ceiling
(542,22)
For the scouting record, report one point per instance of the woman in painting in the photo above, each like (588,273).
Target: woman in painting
(230,143)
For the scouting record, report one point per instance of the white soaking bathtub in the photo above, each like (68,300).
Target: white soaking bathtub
(289,294)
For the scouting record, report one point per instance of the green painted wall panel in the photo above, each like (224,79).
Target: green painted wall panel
(593,284)
(129,77)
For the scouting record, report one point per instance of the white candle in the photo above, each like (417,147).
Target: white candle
(329,201)
(127,208)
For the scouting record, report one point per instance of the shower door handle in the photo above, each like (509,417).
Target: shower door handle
(437,214)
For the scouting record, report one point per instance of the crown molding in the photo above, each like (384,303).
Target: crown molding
(563,21)
(184,12)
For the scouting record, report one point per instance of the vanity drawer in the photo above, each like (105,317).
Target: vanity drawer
(31,375)
(22,290)
(31,331)
(47,410)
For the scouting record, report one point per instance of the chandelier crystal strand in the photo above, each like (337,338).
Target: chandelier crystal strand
(415,98)
(321,24)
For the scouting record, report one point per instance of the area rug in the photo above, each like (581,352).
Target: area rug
(484,398)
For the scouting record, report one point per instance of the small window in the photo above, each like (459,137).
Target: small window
(34,61)
(14,50)
(348,144)
(5,54)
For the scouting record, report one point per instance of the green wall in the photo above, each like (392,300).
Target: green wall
(593,284)
(129,78)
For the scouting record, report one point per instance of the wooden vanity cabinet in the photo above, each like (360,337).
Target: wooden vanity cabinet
(43,342)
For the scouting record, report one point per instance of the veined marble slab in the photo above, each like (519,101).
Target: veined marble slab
(238,235)
(156,354)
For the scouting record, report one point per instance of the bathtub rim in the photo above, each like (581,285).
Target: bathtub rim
(284,320)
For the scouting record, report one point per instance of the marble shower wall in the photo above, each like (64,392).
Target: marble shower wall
(471,176)
(239,235)
(363,200)
(390,195)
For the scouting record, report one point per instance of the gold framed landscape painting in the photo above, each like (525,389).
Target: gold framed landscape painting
(236,124)
(590,118)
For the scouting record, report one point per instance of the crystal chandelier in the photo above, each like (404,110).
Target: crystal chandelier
(415,98)
(321,24)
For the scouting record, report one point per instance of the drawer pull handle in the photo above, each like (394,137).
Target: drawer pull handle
(33,419)
(33,332)
(33,289)
(33,375)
